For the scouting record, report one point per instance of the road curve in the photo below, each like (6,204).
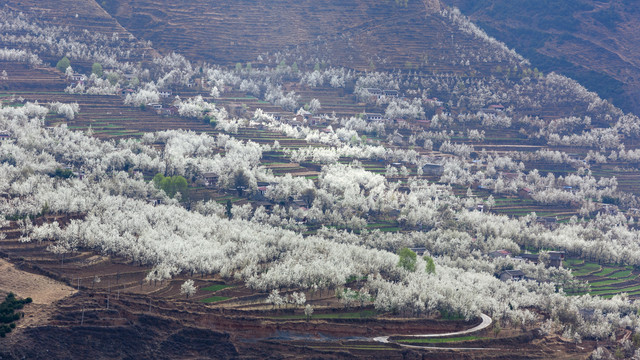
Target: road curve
(486,322)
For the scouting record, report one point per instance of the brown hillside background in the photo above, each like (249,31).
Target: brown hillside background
(595,42)
(231,31)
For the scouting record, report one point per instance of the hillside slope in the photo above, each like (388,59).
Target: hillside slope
(75,14)
(229,31)
(596,43)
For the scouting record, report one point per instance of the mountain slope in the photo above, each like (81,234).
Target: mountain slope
(596,43)
(232,31)
(73,13)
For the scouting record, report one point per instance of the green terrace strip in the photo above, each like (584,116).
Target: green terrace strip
(621,274)
(606,271)
(611,282)
(586,269)
(609,289)
(573,262)
(628,290)
(609,296)
(442,340)
(217,287)
(214,299)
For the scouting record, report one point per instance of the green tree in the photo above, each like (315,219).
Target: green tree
(63,173)
(294,67)
(431,266)
(240,181)
(172,185)
(308,196)
(113,78)
(228,209)
(96,68)
(407,259)
(63,64)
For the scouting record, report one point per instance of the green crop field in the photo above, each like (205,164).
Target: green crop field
(217,287)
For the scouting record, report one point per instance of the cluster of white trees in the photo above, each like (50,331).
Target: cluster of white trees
(196,107)
(69,111)
(145,95)
(268,251)
(335,77)
(94,86)
(39,39)
(19,56)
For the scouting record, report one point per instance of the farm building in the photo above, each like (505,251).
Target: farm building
(556,258)
(374,117)
(432,169)
(608,209)
(375,91)
(4,136)
(548,221)
(276,116)
(210,178)
(514,275)
(525,193)
(500,253)
(495,108)
(78,77)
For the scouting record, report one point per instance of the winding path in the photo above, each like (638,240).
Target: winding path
(486,322)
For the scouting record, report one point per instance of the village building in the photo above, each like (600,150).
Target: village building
(79,174)
(433,169)
(374,117)
(555,258)
(495,108)
(210,178)
(165,93)
(374,92)
(398,139)
(276,116)
(125,92)
(513,275)
(391,93)
(500,254)
(170,111)
(78,77)
(608,209)
(525,193)
(633,212)
(434,102)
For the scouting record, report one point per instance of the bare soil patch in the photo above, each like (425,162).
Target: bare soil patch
(41,289)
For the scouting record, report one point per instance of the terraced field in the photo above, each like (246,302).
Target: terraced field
(606,280)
